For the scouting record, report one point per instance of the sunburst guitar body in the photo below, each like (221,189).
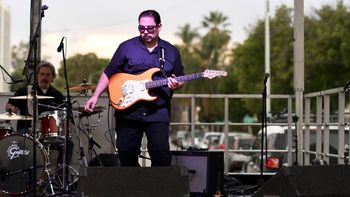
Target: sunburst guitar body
(127,89)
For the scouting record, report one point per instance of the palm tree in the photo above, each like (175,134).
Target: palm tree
(213,52)
(187,36)
(215,20)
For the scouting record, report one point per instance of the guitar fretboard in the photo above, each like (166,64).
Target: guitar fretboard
(161,82)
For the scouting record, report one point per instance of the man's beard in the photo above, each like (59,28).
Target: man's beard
(44,84)
(147,39)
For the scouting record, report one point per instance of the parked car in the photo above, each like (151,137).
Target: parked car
(236,141)
(277,140)
(182,138)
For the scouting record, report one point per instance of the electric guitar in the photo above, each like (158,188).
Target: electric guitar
(127,89)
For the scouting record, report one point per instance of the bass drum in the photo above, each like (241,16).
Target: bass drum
(16,164)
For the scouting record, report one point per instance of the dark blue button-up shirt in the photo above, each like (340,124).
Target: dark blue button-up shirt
(133,57)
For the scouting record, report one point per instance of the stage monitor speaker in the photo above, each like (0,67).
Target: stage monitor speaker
(307,181)
(133,182)
(106,160)
(206,170)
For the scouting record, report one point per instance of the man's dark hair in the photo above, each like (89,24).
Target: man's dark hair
(151,13)
(47,64)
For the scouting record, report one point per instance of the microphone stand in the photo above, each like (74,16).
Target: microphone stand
(65,168)
(34,46)
(295,137)
(263,128)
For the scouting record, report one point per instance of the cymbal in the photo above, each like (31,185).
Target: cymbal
(97,109)
(31,97)
(83,86)
(13,116)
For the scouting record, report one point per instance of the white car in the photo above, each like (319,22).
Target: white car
(236,141)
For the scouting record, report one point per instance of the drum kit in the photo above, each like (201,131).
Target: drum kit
(17,150)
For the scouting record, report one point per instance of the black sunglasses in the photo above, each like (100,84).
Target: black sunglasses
(150,29)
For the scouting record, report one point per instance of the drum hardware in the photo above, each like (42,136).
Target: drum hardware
(83,113)
(82,156)
(47,170)
(89,128)
(5,130)
(54,181)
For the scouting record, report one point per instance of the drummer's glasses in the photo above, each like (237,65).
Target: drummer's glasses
(150,29)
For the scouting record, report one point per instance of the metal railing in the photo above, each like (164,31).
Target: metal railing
(322,120)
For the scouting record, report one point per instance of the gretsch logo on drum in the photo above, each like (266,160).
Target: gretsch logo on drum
(14,151)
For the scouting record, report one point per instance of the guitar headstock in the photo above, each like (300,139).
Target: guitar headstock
(214,73)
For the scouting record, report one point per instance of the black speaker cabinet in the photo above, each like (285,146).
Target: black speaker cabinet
(133,182)
(206,170)
(307,181)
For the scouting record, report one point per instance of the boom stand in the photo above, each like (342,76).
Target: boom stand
(263,128)
(65,169)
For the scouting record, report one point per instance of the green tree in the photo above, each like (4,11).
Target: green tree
(327,54)
(208,52)
(327,48)
(79,67)
(248,65)
(19,55)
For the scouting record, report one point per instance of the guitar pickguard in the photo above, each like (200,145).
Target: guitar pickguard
(133,91)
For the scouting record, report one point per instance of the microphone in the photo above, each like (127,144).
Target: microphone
(267,75)
(44,7)
(59,48)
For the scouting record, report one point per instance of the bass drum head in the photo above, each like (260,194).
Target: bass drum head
(16,163)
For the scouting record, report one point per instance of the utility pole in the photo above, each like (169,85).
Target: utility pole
(299,71)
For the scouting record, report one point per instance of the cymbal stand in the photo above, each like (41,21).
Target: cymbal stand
(89,128)
(82,156)
(92,142)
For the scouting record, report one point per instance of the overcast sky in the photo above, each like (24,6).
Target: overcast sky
(99,26)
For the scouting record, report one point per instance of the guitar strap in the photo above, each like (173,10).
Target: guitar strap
(162,60)
(162,57)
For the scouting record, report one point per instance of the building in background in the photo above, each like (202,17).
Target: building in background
(5,43)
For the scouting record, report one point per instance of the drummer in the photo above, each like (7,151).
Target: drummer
(46,74)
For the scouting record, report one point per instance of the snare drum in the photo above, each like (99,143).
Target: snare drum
(52,124)
(16,164)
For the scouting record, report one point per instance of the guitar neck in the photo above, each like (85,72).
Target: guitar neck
(162,82)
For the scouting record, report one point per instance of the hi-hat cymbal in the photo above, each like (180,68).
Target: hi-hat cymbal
(31,97)
(97,109)
(83,86)
(13,116)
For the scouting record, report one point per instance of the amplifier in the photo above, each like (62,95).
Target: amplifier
(206,170)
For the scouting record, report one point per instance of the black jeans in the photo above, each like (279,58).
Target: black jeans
(129,137)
